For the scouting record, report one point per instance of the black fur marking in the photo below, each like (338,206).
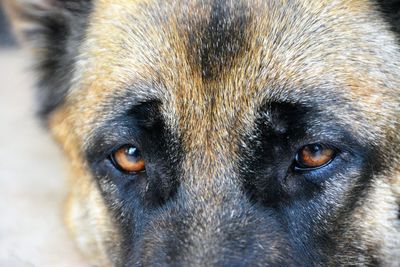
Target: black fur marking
(143,127)
(214,44)
(134,197)
(282,129)
(391,12)
(58,34)
(268,175)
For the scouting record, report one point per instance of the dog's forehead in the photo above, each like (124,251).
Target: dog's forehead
(212,64)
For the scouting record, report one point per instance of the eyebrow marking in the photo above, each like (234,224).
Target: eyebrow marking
(138,108)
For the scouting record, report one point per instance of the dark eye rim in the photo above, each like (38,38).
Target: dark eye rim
(113,161)
(298,167)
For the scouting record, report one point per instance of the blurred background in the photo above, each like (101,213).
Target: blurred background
(32,175)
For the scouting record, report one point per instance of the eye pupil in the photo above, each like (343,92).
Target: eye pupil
(315,148)
(132,152)
(314,151)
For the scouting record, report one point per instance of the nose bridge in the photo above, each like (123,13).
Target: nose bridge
(211,221)
(210,185)
(209,173)
(215,225)
(212,194)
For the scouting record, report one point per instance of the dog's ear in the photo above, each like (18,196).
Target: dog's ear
(53,31)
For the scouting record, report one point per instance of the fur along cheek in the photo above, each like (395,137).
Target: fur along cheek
(380,218)
(89,222)
(86,215)
(375,226)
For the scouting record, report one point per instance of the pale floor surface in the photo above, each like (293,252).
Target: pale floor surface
(32,178)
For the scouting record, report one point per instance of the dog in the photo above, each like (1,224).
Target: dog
(223,133)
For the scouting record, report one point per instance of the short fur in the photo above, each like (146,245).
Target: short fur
(219,95)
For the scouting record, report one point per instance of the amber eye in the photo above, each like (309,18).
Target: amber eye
(314,156)
(128,159)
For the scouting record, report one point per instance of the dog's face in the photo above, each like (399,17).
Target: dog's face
(225,133)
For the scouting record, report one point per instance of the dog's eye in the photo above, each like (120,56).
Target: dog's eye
(128,159)
(314,156)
